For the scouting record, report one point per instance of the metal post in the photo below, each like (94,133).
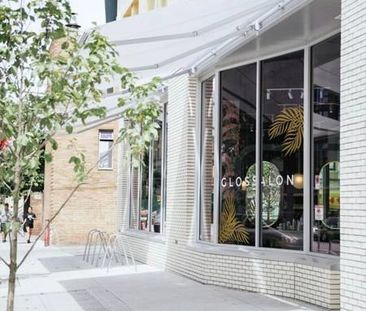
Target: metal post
(258,160)
(307,153)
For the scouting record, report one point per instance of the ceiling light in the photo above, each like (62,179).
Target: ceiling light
(290,96)
(268,95)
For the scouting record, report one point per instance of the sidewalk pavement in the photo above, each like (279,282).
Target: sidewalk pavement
(56,278)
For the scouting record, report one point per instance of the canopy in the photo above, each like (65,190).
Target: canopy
(176,38)
(188,36)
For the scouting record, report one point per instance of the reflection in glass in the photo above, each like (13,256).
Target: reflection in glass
(148,184)
(326,112)
(237,139)
(157,180)
(134,186)
(105,146)
(164,164)
(271,189)
(282,150)
(207,160)
(144,199)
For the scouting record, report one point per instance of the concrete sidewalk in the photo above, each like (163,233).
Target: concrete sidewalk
(56,279)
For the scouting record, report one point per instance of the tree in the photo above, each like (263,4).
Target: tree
(44,90)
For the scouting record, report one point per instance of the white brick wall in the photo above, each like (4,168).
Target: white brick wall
(181,159)
(353,156)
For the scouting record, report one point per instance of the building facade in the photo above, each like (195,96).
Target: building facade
(94,205)
(256,179)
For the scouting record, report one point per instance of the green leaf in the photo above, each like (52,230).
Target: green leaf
(69,128)
(65,45)
(48,157)
(53,143)
(22,140)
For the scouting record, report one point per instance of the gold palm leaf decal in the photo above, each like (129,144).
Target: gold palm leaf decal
(290,122)
(231,229)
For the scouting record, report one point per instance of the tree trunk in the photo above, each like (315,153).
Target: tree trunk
(12,273)
(13,239)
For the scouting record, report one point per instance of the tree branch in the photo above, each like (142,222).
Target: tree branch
(62,207)
(50,221)
(4,261)
(7,186)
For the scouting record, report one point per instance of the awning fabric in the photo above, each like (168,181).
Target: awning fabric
(172,39)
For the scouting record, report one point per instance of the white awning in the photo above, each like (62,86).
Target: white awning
(181,37)
(189,36)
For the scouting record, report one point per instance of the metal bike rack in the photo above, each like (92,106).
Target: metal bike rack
(103,238)
(119,250)
(106,248)
(110,253)
(88,244)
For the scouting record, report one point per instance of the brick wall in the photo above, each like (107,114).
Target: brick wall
(353,156)
(36,201)
(94,205)
(181,159)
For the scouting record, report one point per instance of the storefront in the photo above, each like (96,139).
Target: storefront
(242,187)
(263,110)
(256,180)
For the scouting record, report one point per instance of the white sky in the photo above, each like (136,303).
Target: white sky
(88,11)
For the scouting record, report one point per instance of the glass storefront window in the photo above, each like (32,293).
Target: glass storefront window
(282,151)
(237,147)
(206,229)
(144,200)
(325,120)
(148,185)
(157,182)
(133,198)
(279,144)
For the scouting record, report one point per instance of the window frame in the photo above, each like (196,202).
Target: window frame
(136,227)
(109,168)
(311,142)
(307,147)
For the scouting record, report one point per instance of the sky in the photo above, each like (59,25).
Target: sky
(88,11)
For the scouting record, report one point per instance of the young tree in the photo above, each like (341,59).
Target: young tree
(49,82)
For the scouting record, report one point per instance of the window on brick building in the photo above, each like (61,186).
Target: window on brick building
(105,149)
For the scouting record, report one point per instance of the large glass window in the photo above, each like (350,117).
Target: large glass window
(157,154)
(282,151)
(207,162)
(133,197)
(144,200)
(148,184)
(237,147)
(326,111)
(275,190)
